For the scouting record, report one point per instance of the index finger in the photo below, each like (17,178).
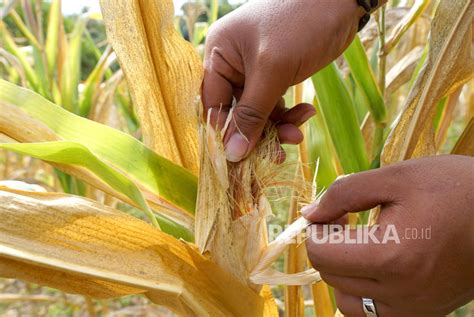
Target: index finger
(220,81)
(216,94)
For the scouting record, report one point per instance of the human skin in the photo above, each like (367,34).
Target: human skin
(254,54)
(259,50)
(418,277)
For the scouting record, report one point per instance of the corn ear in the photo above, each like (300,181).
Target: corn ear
(233,209)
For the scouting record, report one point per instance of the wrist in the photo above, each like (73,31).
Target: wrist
(368,6)
(351,14)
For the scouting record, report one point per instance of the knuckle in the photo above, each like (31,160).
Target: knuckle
(216,61)
(401,171)
(217,38)
(248,117)
(335,191)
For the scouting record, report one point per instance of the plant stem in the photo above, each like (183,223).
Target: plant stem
(295,259)
(90,306)
(382,70)
(382,57)
(378,139)
(320,292)
(382,65)
(6,165)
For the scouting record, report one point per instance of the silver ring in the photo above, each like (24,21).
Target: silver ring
(369,307)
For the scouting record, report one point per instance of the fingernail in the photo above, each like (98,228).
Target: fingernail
(306,117)
(309,209)
(236,147)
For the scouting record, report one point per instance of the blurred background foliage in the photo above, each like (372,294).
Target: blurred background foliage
(78,70)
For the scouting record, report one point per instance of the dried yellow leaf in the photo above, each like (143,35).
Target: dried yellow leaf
(450,64)
(80,246)
(465,144)
(163,73)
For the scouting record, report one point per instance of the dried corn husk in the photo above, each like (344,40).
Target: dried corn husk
(231,218)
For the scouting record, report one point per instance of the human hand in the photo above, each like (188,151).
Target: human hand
(259,50)
(429,276)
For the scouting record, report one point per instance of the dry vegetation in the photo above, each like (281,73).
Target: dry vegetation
(102,168)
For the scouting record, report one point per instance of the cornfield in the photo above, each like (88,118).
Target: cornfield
(113,186)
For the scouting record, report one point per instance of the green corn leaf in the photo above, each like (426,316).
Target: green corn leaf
(72,153)
(70,184)
(72,70)
(52,39)
(24,29)
(32,31)
(320,148)
(214,11)
(64,152)
(9,44)
(157,175)
(89,42)
(200,31)
(365,79)
(13,67)
(41,68)
(361,102)
(339,113)
(92,83)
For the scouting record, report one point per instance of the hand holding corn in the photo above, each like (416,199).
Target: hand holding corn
(254,55)
(429,273)
(259,50)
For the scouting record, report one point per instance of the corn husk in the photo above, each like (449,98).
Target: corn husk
(232,213)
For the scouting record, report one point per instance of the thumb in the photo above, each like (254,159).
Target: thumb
(353,193)
(249,117)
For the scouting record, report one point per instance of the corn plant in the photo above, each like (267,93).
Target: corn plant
(45,58)
(391,97)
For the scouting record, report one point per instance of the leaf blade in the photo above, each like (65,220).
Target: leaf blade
(341,119)
(153,173)
(84,247)
(449,64)
(365,79)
